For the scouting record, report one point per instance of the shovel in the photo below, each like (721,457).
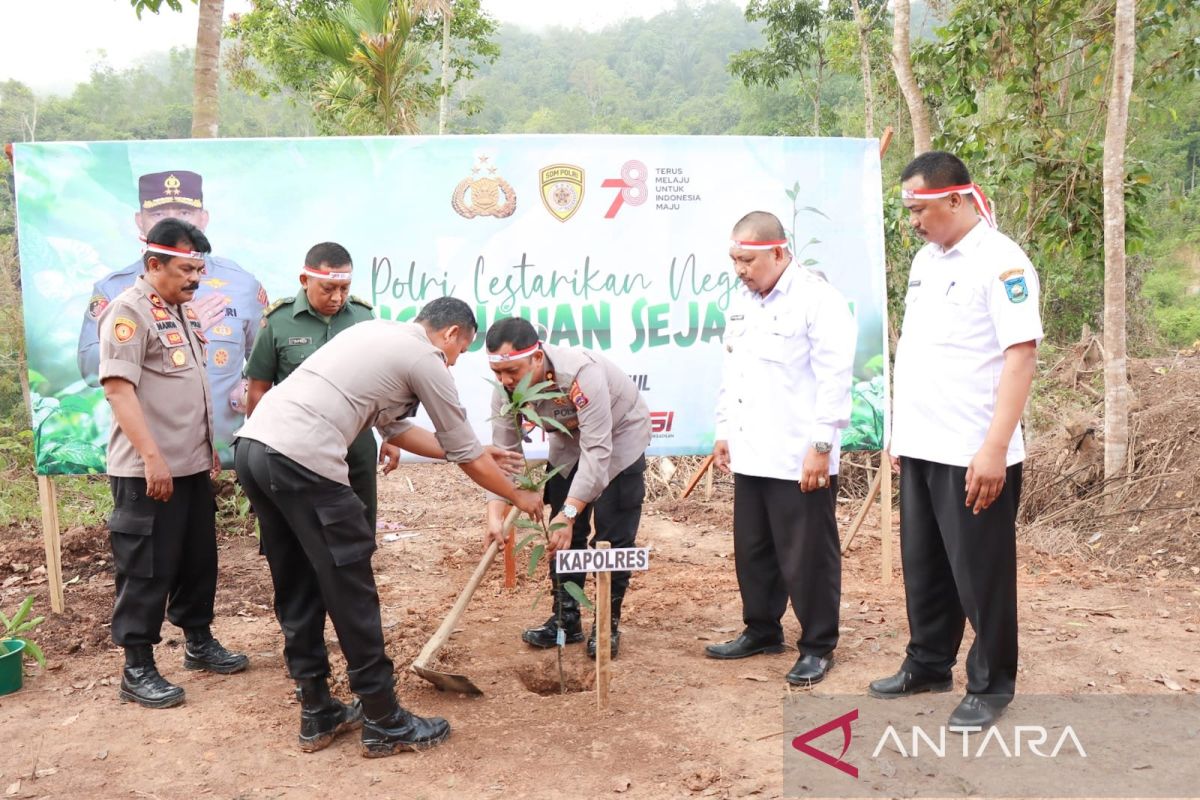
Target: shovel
(448,680)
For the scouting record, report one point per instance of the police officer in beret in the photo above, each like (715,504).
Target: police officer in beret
(229,302)
(603,456)
(291,462)
(784,396)
(965,362)
(161,461)
(294,327)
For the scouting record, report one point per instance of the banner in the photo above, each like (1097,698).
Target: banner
(617,243)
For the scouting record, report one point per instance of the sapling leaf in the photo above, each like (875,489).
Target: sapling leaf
(581,598)
(535,558)
(559,426)
(533,417)
(553,472)
(528,524)
(521,545)
(556,526)
(35,651)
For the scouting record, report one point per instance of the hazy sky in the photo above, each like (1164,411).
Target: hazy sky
(51,45)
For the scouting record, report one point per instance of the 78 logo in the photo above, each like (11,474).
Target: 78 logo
(631,187)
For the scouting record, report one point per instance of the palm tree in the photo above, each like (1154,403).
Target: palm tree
(205,108)
(375,85)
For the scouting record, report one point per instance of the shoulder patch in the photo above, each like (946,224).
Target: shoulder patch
(356,299)
(1016,289)
(97,305)
(123,329)
(278,304)
(1012,273)
(577,396)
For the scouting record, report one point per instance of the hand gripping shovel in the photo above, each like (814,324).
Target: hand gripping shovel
(446,680)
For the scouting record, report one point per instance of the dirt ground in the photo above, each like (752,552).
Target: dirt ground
(680,725)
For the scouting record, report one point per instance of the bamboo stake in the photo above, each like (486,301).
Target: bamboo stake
(50,537)
(705,466)
(603,632)
(863,509)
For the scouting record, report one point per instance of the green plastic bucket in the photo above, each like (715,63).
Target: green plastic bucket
(11,657)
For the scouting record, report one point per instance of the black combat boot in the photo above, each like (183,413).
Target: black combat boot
(388,728)
(547,634)
(614,641)
(322,717)
(141,683)
(202,651)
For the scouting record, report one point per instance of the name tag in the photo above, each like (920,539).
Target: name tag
(300,340)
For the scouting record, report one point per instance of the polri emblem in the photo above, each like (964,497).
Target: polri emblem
(221,357)
(1015,286)
(123,329)
(577,396)
(490,195)
(562,189)
(178,358)
(97,305)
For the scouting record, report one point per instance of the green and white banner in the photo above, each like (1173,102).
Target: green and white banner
(617,243)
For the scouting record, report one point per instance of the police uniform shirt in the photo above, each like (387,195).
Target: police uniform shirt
(606,414)
(374,373)
(292,331)
(786,379)
(158,348)
(964,307)
(230,340)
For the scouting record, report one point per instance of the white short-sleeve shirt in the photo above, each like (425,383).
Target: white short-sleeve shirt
(964,307)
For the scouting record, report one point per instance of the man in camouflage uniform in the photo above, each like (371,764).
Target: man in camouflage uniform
(292,330)
(228,303)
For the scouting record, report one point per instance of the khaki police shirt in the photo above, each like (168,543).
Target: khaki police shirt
(374,373)
(608,419)
(160,350)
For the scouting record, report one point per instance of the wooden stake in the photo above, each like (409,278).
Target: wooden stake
(705,466)
(708,483)
(885,141)
(49,499)
(862,511)
(510,541)
(885,515)
(603,632)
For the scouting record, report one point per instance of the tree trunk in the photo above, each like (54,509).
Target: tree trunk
(864,55)
(902,65)
(445,101)
(1116,379)
(205,111)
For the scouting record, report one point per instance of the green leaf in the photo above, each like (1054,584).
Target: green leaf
(559,426)
(816,211)
(581,598)
(533,416)
(521,545)
(557,526)
(4,621)
(22,611)
(554,472)
(535,558)
(35,651)
(528,524)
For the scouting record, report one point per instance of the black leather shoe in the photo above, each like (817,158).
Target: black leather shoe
(322,717)
(614,642)
(402,730)
(809,670)
(210,655)
(975,712)
(141,684)
(904,683)
(546,635)
(741,647)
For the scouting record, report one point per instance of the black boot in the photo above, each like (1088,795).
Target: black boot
(388,728)
(141,683)
(202,651)
(322,717)
(614,640)
(547,634)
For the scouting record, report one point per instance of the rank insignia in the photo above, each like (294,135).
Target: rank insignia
(178,358)
(156,300)
(1016,289)
(221,357)
(216,283)
(222,330)
(174,338)
(160,314)
(191,314)
(577,396)
(97,305)
(123,329)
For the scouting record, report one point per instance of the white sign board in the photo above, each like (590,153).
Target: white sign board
(619,559)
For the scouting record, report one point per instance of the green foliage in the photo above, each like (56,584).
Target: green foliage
(156,5)
(17,629)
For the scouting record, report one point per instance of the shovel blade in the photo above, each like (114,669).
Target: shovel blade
(447,681)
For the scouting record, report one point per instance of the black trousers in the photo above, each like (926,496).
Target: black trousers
(615,514)
(785,546)
(318,545)
(362,458)
(165,557)
(959,566)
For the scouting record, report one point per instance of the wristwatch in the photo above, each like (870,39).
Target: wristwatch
(822,447)
(569,511)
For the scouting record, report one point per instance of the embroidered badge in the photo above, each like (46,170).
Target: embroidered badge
(160,314)
(222,330)
(300,340)
(178,358)
(577,396)
(156,300)
(191,314)
(97,305)
(221,357)
(1016,289)
(174,338)
(123,329)
(262,296)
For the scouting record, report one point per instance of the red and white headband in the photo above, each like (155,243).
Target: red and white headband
(515,355)
(976,193)
(326,274)
(771,244)
(167,250)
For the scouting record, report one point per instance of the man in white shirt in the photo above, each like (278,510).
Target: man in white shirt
(964,365)
(785,394)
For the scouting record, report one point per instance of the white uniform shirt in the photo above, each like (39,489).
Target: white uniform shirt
(787,375)
(964,307)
